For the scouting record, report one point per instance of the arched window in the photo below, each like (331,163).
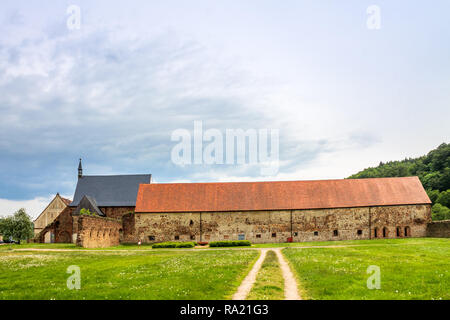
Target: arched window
(407,232)
(385,232)
(399,232)
(375,233)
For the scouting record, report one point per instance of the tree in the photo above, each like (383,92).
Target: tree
(18,227)
(444,198)
(433,195)
(440,212)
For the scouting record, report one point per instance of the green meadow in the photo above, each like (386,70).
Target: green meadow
(414,268)
(153,275)
(409,269)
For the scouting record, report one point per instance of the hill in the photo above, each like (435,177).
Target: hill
(433,171)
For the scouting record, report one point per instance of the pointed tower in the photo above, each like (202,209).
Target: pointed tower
(80,170)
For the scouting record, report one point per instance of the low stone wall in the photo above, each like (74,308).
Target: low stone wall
(439,229)
(98,232)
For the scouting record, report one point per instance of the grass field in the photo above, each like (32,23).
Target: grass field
(414,268)
(409,269)
(159,274)
(269,283)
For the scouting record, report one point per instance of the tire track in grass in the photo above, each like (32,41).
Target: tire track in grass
(247,284)
(290,284)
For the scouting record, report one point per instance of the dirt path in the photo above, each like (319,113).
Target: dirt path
(290,284)
(246,285)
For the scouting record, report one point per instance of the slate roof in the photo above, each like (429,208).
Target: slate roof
(110,191)
(280,195)
(90,204)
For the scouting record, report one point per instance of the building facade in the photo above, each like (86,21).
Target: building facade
(265,212)
(111,198)
(50,213)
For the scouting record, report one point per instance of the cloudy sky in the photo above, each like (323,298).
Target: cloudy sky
(344,96)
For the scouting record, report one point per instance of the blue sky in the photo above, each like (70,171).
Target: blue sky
(344,97)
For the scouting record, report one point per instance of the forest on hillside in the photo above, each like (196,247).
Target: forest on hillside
(433,171)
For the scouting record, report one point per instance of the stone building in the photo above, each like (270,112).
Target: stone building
(281,211)
(110,197)
(50,213)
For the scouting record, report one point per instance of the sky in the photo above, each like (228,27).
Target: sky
(343,93)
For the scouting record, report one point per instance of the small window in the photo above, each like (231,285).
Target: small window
(335,233)
(316,233)
(385,232)
(359,232)
(407,232)
(375,232)
(192,237)
(177,237)
(398,232)
(226,237)
(295,234)
(274,235)
(151,238)
(207,237)
(241,237)
(191,223)
(258,236)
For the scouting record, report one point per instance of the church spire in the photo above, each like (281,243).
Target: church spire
(80,170)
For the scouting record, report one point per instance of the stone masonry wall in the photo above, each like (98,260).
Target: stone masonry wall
(439,229)
(116,212)
(98,232)
(278,226)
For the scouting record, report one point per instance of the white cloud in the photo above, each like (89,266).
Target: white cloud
(33,207)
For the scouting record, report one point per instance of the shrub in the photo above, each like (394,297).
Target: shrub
(238,243)
(173,245)
(86,212)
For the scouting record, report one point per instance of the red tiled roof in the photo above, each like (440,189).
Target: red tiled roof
(280,195)
(66,201)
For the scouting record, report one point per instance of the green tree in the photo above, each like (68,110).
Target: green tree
(440,212)
(18,226)
(433,195)
(444,198)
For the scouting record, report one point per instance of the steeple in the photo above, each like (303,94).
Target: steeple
(80,170)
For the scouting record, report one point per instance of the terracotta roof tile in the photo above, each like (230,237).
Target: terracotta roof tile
(279,195)
(66,201)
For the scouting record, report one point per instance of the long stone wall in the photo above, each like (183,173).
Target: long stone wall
(439,229)
(278,226)
(98,232)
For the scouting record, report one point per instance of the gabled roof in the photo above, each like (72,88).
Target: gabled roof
(89,204)
(110,191)
(280,195)
(64,200)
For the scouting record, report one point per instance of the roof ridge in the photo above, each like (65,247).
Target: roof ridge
(280,181)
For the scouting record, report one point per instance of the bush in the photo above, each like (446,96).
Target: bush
(173,245)
(238,243)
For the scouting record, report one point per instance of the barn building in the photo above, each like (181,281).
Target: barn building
(267,212)
(50,213)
